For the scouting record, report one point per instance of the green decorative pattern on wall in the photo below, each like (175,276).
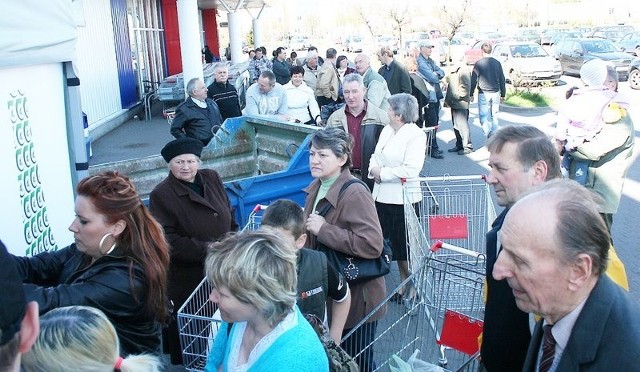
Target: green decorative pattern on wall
(36,229)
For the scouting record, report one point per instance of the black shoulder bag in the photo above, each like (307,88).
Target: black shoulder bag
(356,269)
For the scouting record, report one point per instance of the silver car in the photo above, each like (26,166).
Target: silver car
(526,63)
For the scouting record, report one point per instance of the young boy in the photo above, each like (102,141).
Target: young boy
(317,279)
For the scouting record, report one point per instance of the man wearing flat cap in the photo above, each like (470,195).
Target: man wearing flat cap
(194,210)
(198,117)
(429,70)
(19,321)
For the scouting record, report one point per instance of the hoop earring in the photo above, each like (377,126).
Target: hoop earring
(102,241)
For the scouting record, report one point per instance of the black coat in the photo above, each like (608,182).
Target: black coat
(399,80)
(226,97)
(62,278)
(190,223)
(195,122)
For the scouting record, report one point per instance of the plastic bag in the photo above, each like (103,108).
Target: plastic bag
(414,364)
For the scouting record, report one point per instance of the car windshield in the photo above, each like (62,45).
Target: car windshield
(356,39)
(599,46)
(527,51)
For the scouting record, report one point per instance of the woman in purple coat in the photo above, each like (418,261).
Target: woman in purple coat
(194,210)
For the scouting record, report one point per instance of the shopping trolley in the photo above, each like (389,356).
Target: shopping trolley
(198,319)
(457,210)
(443,321)
(431,133)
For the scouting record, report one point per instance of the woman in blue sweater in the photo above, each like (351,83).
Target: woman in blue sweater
(253,275)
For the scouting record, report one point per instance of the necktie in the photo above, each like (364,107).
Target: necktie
(548,349)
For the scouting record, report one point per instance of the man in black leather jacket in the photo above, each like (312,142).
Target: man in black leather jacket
(197,117)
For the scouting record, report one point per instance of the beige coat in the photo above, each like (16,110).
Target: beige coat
(328,83)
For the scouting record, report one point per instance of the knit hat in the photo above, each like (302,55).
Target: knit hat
(594,72)
(12,301)
(181,146)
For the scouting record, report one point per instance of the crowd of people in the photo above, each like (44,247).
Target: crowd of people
(109,299)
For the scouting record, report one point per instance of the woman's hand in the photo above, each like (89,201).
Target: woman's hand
(375,172)
(314,223)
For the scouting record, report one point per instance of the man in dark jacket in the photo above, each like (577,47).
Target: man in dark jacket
(520,157)
(223,93)
(397,77)
(280,67)
(198,117)
(488,76)
(457,98)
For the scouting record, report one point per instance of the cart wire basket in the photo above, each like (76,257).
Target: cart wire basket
(457,210)
(198,322)
(443,321)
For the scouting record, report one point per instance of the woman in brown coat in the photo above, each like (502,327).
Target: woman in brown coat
(350,226)
(194,210)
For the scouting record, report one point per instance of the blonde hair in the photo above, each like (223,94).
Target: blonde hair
(81,338)
(259,269)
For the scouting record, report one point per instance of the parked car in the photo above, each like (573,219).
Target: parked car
(354,44)
(634,74)
(563,35)
(526,63)
(299,43)
(388,40)
(527,34)
(473,54)
(573,53)
(630,43)
(612,33)
(455,49)
(546,36)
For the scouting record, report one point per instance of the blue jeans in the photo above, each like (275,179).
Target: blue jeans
(488,107)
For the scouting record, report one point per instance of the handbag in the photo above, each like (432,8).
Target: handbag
(339,359)
(356,269)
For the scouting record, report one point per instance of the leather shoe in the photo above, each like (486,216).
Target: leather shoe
(437,155)
(455,149)
(465,151)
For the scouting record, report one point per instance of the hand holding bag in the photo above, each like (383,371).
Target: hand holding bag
(356,269)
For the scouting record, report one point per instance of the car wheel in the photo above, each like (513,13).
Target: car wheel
(634,79)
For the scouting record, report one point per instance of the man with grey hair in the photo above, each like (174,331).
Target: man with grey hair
(520,157)
(554,256)
(267,98)
(224,93)
(310,66)
(198,117)
(377,90)
(363,120)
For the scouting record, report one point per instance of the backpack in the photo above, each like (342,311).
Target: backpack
(339,359)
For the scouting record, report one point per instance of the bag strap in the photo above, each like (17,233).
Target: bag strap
(322,212)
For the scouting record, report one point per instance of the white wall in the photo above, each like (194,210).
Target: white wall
(96,64)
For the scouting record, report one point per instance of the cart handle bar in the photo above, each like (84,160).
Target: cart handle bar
(445,178)
(439,244)
(258,208)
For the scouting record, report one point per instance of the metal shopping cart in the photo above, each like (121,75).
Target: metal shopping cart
(457,210)
(198,322)
(445,319)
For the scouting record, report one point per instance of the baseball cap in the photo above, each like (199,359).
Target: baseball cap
(425,44)
(12,301)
